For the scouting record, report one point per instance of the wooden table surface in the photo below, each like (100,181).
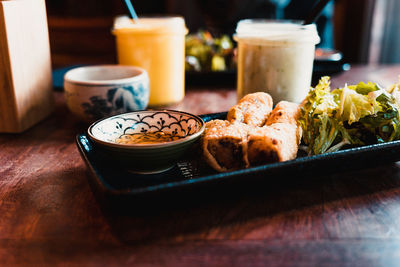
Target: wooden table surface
(50,216)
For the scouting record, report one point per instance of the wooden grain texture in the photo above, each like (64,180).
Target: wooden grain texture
(81,40)
(50,216)
(25,79)
(8,105)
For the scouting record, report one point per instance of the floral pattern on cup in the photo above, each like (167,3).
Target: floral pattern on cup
(95,92)
(118,100)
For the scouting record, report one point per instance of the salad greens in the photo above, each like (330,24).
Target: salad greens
(207,53)
(356,115)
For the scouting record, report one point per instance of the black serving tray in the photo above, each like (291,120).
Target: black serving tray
(191,175)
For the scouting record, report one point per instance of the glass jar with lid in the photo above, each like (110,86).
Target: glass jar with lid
(275,56)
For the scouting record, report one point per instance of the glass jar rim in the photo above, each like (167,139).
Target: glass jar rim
(157,23)
(276,30)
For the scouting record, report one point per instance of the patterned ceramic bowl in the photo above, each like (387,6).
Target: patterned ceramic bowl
(147,141)
(95,92)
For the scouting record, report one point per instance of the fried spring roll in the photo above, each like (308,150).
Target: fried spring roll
(277,142)
(279,139)
(224,145)
(252,109)
(240,142)
(286,112)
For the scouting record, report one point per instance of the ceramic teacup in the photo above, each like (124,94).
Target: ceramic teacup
(95,92)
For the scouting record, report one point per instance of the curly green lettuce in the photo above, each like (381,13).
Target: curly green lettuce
(355,115)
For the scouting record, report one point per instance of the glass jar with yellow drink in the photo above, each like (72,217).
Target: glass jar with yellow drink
(156,44)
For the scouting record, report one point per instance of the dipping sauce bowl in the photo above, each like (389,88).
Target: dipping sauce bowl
(147,141)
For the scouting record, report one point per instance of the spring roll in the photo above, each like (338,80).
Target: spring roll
(279,139)
(285,112)
(252,109)
(224,145)
(277,142)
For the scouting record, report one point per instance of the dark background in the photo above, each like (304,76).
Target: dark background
(80,31)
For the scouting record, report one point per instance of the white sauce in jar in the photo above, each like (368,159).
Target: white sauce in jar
(275,57)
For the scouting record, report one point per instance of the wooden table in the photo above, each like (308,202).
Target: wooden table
(50,216)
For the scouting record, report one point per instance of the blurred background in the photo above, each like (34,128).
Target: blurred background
(365,31)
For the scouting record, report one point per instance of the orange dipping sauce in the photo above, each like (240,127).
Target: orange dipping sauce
(147,138)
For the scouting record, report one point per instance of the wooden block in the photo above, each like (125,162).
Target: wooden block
(25,65)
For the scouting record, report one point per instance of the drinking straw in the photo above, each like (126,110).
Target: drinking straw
(131,10)
(316,11)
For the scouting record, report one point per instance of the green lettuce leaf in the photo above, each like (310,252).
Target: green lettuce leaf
(353,115)
(353,106)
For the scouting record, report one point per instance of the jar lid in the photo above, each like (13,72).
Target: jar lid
(276,30)
(124,24)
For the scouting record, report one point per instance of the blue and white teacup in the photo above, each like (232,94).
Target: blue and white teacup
(95,92)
